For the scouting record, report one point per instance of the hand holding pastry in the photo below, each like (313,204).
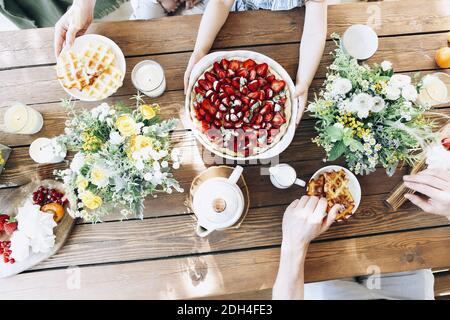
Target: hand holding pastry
(73,23)
(434,186)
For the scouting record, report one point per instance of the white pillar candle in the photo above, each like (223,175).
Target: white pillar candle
(42,151)
(21,119)
(148,77)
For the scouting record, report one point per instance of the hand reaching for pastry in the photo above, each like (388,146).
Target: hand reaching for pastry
(434,186)
(305,219)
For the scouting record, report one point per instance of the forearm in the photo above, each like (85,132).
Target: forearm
(312,43)
(213,19)
(289,284)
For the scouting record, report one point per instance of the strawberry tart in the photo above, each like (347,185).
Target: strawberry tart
(240,107)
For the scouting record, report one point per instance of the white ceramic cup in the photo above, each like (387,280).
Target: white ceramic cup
(284,176)
(360,41)
(218,203)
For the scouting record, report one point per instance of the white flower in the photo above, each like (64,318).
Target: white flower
(148,176)
(438,157)
(344,105)
(164,164)
(37,226)
(20,246)
(341,86)
(392,92)
(157,177)
(115,138)
(399,80)
(378,104)
(362,103)
(77,162)
(386,65)
(100,111)
(409,93)
(100,175)
(176,165)
(156,166)
(139,165)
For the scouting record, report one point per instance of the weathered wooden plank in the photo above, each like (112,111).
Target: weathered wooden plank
(442,284)
(172,106)
(228,273)
(175,235)
(39,84)
(33,47)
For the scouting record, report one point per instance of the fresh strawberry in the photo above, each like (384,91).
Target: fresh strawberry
(262,95)
(3,218)
(208,118)
(206,105)
(244,90)
(249,63)
(10,226)
(216,85)
(245,100)
(235,65)
(261,69)
(253,95)
(253,85)
(277,85)
(230,73)
(270,77)
(258,119)
(200,91)
(266,109)
(269,93)
(278,119)
(242,73)
(262,82)
(235,83)
(227,81)
(228,90)
(216,67)
(446,143)
(205,84)
(252,74)
(210,77)
(221,74)
(225,64)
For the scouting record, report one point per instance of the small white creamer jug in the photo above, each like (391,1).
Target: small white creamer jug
(218,203)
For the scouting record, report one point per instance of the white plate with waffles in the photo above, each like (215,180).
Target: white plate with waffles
(354,187)
(92,69)
(251,69)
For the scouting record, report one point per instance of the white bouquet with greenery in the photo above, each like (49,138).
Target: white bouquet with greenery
(368,115)
(122,155)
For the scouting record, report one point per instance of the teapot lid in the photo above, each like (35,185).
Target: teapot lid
(218,203)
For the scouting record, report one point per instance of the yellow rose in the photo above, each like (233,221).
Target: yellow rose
(90,200)
(147,111)
(126,125)
(82,183)
(137,143)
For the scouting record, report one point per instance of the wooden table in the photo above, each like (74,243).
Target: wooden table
(161,257)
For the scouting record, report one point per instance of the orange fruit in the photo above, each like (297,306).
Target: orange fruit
(442,57)
(54,208)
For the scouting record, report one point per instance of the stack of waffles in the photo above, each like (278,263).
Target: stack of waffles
(334,187)
(94,70)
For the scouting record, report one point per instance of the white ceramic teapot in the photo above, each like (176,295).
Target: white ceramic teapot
(218,203)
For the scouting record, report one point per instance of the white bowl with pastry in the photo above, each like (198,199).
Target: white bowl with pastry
(339,186)
(92,69)
(241,105)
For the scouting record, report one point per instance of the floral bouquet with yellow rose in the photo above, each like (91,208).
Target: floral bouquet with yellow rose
(369,115)
(122,156)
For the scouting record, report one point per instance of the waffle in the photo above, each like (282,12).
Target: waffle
(334,187)
(93,70)
(106,84)
(71,72)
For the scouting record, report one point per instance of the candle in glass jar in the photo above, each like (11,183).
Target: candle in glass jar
(148,77)
(21,119)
